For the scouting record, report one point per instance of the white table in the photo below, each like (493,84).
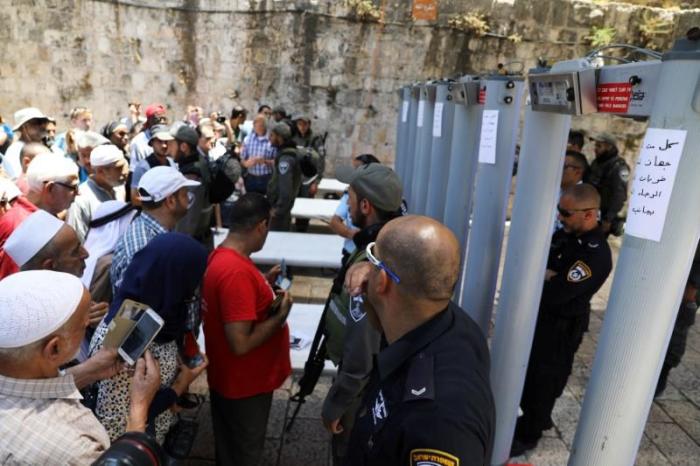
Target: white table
(297,249)
(322,209)
(303,321)
(332,185)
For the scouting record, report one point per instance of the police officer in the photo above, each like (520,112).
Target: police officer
(609,173)
(429,400)
(286,177)
(684,320)
(579,263)
(304,137)
(374,198)
(197,222)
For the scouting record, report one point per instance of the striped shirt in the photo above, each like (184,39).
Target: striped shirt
(255,146)
(142,230)
(43,422)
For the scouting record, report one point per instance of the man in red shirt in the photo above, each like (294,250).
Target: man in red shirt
(246,335)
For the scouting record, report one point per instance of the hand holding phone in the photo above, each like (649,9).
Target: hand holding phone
(281,305)
(147,327)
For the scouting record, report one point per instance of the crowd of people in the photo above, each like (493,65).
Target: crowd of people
(92,221)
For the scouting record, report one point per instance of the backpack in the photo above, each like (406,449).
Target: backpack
(225,172)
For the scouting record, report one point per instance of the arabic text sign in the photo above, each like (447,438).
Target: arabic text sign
(489,135)
(653,182)
(437,120)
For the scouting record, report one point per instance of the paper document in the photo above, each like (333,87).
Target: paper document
(489,136)
(654,176)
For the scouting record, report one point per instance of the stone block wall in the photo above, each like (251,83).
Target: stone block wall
(315,56)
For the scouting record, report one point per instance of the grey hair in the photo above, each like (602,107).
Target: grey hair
(90,139)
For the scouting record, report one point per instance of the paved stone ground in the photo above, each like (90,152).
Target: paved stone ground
(672,435)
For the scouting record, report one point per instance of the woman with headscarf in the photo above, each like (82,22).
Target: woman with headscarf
(118,134)
(165,275)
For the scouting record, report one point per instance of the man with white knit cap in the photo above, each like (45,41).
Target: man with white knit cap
(106,183)
(43,315)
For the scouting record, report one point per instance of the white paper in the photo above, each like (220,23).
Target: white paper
(404,111)
(437,120)
(421,111)
(653,182)
(489,135)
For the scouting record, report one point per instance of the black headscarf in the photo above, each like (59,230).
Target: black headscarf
(164,275)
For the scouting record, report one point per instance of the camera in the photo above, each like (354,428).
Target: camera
(220,117)
(132,449)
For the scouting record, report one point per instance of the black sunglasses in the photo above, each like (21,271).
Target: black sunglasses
(568,213)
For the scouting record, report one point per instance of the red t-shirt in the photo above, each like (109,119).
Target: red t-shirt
(20,210)
(235,290)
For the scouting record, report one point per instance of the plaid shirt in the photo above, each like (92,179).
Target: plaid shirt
(142,230)
(258,147)
(43,422)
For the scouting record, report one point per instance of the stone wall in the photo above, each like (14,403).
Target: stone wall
(308,55)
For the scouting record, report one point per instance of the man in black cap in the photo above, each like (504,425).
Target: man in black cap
(284,185)
(609,174)
(192,164)
(279,114)
(351,342)
(429,399)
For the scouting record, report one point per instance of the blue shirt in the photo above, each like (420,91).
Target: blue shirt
(258,147)
(343,211)
(142,230)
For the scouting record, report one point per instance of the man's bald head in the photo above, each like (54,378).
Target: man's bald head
(583,194)
(29,151)
(423,253)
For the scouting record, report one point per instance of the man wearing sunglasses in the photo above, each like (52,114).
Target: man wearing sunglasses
(579,263)
(429,399)
(374,199)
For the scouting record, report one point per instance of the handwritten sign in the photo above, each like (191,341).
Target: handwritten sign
(489,135)
(437,120)
(421,112)
(425,10)
(653,182)
(404,112)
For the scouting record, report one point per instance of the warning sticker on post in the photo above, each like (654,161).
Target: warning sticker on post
(404,112)
(653,182)
(489,135)
(614,97)
(421,112)
(437,120)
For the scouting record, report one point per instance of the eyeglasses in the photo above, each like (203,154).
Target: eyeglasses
(379,264)
(566,213)
(69,187)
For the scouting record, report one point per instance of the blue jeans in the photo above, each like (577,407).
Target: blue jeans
(257,184)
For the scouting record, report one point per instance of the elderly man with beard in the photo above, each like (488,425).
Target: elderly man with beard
(30,124)
(106,183)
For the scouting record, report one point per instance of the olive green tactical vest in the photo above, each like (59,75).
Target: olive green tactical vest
(272,187)
(338,313)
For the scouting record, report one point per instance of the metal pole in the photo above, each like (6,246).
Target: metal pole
(443,116)
(421,164)
(401,131)
(647,288)
(537,189)
(503,93)
(411,131)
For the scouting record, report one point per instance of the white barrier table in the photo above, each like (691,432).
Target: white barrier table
(322,209)
(303,320)
(332,185)
(297,249)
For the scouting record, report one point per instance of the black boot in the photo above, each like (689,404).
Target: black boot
(663,379)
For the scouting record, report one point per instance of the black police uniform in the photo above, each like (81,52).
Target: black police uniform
(429,398)
(582,264)
(609,173)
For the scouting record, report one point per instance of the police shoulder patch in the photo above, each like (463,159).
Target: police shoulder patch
(284,167)
(624,174)
(430,457)
(579,272)
(356,311)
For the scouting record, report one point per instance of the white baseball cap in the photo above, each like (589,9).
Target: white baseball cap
(160,182)
(34,304)
(105,155)
(31,236)
(26,114)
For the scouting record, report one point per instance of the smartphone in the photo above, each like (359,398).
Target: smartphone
(275,305)
(283,281)
(147,327)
